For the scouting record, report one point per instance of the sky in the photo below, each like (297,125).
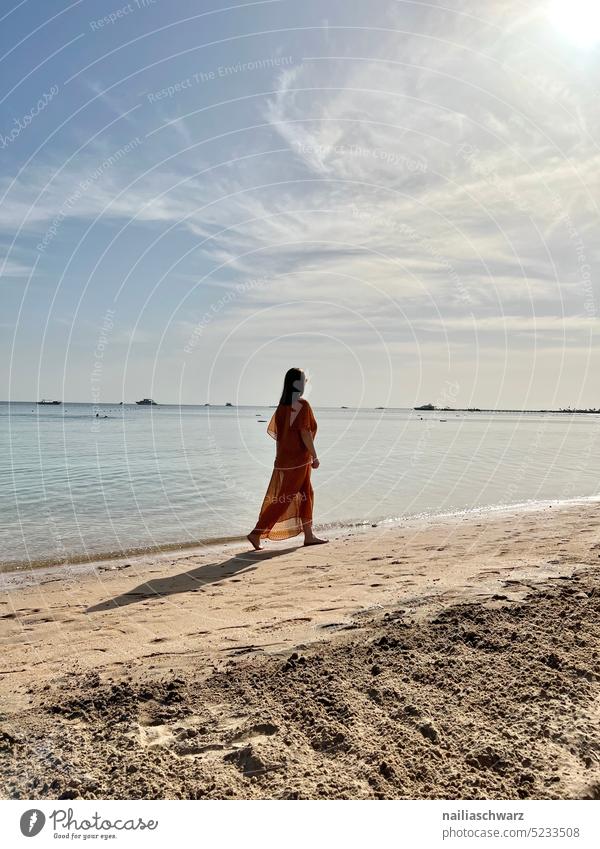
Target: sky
(399,197)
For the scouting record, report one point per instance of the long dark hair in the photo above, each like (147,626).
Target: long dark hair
(292,377)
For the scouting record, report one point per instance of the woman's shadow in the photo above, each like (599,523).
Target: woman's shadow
(193,581)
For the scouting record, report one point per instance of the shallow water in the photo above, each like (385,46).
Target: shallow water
(75,486)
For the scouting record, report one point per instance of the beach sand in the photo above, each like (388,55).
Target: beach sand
(449,658)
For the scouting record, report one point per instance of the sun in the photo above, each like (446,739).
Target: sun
(578,20)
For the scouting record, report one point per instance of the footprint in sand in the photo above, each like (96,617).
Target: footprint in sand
(188,737)
(255,733)
(155,735)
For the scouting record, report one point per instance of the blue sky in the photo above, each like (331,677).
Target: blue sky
(400,197)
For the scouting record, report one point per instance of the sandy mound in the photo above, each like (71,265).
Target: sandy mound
(491,699)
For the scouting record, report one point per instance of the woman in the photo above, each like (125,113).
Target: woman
(288,504)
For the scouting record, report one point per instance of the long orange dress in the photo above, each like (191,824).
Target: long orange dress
(288,502)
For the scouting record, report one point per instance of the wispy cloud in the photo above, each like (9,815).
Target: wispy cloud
(441,170)
(13,269)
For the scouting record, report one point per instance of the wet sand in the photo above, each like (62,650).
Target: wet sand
(455,658)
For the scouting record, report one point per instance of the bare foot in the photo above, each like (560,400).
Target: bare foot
(315,541)
(254,538)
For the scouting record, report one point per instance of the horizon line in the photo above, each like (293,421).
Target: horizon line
(416,408)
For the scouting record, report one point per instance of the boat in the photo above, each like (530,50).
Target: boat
(147,402)
(229,404)
(425,407)
(45,403)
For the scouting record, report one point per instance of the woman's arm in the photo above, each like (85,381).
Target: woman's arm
(307,439)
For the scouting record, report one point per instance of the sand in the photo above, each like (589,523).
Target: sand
(456,658)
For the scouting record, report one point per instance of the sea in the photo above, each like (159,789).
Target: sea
(81,482)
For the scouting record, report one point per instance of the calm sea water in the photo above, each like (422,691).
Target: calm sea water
(73,485)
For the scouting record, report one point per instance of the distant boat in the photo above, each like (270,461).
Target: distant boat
(380,408)
(147,402)
(343,408)
(229,404)
(425,407)
(45,403)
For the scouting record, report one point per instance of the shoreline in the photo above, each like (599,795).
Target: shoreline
(14,574)
(453,658)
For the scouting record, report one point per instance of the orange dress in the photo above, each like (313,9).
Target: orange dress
(288,502)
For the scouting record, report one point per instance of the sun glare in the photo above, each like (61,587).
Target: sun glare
(577,20)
